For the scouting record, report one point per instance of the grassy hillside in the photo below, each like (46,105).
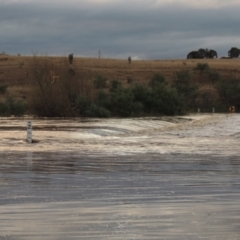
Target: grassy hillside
(16,72)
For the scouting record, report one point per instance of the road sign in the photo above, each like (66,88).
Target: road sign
(232,109)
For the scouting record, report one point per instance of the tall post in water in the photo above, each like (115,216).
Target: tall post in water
(29,132)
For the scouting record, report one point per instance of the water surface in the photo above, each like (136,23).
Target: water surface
(164,178)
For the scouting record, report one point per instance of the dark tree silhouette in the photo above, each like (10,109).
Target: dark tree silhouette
(202,53)
(234,52)
(193,55)
(211,54)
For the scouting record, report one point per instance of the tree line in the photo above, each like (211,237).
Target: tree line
(202,53)
(59,90)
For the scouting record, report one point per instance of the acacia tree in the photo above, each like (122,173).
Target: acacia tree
(211,54)
(234,52)
(193,55)
(202,53)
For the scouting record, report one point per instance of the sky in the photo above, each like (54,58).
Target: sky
(142,29)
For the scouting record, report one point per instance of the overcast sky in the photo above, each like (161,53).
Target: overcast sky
(142,29)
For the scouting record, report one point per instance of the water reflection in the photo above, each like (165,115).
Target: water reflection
(73,162)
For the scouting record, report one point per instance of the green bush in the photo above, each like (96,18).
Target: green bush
(156,80)
(160,99)
(229,92)
(3,109)
(85,107)
(202,67)
(213,75)
(100,82)
(206,99)
(82,105)
(165,100)
(142,95)
(114,85)
(3,88)
(129,80)
(121,102)
(12,107)
(103,99)
(97,111)
(140,92)
(181,83)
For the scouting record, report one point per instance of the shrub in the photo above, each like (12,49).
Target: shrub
(160,99)
(3,109)
(3,88)
(207,98)
(100,82)
(156,80)
(82,105)
(202,67)
(141,95)
(229,92)
(140,92)
(129,80)
(114,85)
(213,75)
(103,99)
(97,111)
(12,107)
(15,107)
(182,78)
(165,100)
(87,108)
(181,83)
(121,102)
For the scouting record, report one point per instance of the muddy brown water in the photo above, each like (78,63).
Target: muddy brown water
(147,178)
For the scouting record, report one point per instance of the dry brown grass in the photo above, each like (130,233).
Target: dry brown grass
(14,70)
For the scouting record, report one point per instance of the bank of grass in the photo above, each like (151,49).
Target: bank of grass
(65,94)
(138,70)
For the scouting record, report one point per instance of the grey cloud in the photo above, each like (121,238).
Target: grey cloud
(118,30)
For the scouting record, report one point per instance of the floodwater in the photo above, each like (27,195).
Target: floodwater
(147,178)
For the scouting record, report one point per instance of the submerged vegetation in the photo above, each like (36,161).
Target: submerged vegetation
(59,89)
